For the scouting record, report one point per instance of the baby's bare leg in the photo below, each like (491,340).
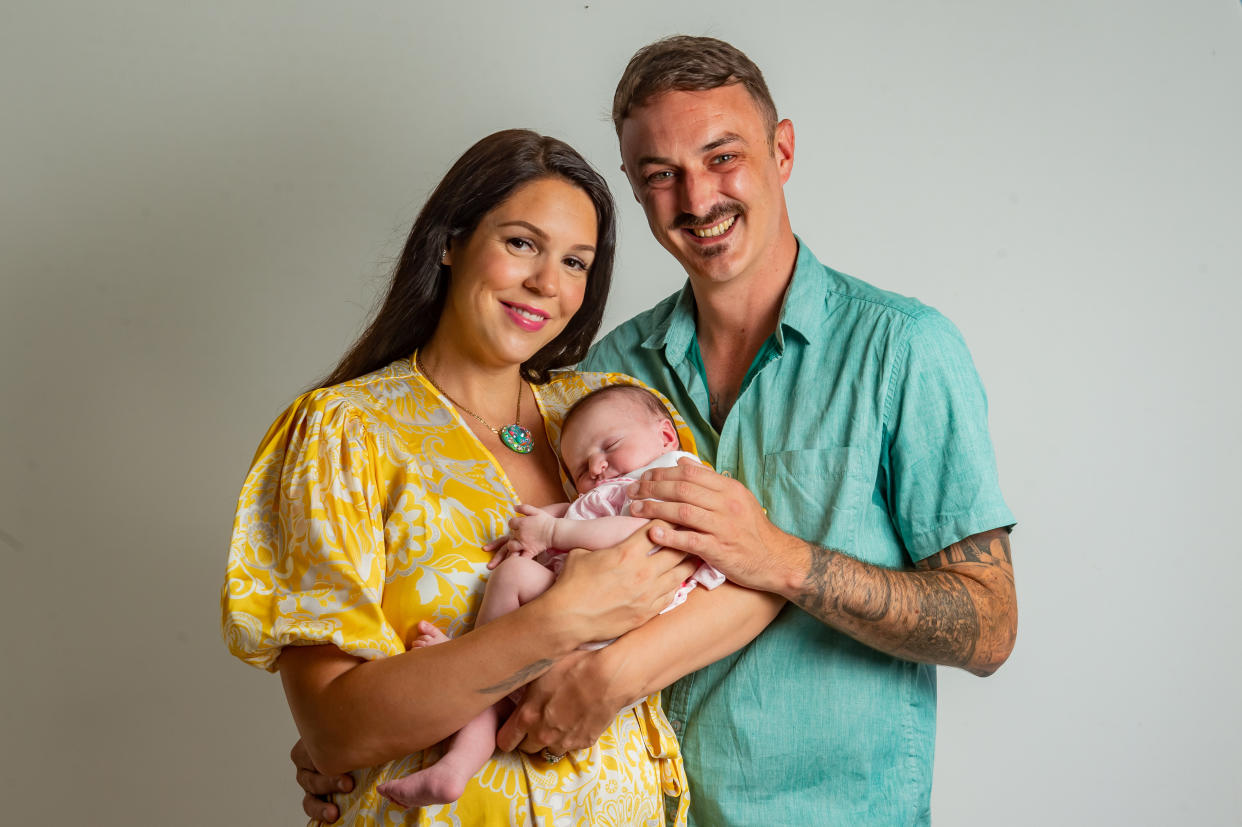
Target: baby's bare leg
(445,780)
(516,581)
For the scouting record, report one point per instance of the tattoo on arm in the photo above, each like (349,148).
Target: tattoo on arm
(988,547)
(927,615)
(948,622)
(520,678)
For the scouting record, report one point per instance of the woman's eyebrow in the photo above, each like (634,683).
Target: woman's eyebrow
(517,222)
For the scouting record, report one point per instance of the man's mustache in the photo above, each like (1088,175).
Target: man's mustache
(714,216)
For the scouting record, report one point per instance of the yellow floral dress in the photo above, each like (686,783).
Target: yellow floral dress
(363,513)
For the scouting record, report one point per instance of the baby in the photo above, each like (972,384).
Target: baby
(608,440)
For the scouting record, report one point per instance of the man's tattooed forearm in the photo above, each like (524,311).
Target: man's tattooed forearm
(521,678)
(947,629)
(817,586)
(825,584)
(925,615)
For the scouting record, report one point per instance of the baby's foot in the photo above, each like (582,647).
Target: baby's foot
(438,784)
(429,635)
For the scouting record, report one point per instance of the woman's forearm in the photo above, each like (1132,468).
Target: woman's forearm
(706,628)
(354,713)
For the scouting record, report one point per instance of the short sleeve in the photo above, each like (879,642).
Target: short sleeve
(306,562)
(941,468)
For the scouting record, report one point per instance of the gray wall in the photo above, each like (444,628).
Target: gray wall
(198,205)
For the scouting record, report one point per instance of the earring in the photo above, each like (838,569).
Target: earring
(443,256)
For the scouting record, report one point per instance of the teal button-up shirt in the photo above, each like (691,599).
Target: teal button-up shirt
(862,427)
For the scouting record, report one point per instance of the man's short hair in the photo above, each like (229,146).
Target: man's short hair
(682,63)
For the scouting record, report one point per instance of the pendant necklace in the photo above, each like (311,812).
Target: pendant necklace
(515,437)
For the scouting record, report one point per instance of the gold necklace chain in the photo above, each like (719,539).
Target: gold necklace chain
(515,437)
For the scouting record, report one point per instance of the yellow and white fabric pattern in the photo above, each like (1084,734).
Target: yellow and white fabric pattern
(364,512)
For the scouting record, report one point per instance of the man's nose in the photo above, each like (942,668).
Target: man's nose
(698,195)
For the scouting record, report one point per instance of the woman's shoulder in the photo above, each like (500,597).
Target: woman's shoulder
(375,402)
(375,394)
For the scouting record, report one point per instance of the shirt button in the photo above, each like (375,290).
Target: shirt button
(676,722)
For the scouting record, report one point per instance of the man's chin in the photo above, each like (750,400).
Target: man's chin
(692,254)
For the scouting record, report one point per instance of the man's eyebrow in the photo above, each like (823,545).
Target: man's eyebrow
(517,222)
(727,138)
(714,144)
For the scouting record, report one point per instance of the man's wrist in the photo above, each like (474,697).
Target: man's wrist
(793,560)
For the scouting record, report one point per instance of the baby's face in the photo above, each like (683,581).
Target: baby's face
(611,439)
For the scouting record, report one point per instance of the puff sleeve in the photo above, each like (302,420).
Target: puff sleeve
(307,558)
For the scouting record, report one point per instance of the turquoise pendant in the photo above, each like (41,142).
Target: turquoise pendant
(517,439)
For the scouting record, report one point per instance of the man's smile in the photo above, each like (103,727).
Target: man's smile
(715,230)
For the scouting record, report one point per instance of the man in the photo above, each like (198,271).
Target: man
(854,479)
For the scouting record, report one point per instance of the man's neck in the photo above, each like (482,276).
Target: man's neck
(746,308)
(732,322)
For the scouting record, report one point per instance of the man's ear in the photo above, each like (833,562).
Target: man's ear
(783,148)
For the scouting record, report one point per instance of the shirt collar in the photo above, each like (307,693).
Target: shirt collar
(676,331)
(802,310)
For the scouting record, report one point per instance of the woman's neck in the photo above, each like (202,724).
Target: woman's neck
(488,390)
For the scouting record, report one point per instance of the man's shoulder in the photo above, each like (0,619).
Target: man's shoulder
(870,312)
(863,296)
(639,328)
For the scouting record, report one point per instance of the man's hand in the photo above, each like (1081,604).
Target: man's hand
(563,710)
(317,803)
(720,521)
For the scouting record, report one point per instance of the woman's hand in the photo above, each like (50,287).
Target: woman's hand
(316,803)
(603,594)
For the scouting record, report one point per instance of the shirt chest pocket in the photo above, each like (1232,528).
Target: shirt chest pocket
(817,494)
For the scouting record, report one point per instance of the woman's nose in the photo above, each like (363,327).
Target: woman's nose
(543,279)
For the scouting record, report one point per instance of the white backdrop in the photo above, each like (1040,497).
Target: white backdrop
(198,206)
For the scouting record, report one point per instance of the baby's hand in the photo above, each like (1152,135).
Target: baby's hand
(504,547)
(533,532)
(501,548)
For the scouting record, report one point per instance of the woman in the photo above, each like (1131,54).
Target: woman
(364,513)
